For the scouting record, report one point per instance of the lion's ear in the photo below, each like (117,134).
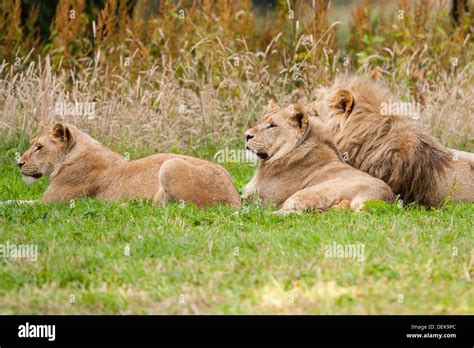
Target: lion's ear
(272,106)
(298,117)
(63,134)
(342,100)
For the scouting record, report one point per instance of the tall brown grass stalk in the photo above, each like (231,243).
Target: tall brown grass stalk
(189,74)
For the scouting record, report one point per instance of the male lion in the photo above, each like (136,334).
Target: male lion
(392,147)
(301,169)
(80,166)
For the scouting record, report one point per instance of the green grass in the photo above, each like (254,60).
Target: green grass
(224,260)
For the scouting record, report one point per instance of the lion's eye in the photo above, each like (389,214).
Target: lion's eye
(38,147)
(271,125)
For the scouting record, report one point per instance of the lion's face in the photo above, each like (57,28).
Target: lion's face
(278,132)
(46,152)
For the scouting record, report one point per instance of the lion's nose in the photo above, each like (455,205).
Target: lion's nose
(21,164)
(248,137)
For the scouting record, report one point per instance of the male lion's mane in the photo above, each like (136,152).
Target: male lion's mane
(390,147)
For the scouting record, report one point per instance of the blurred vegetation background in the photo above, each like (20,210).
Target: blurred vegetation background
(165,62)
(74,30)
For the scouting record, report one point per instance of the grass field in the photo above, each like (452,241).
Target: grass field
(191,77)
(137,257)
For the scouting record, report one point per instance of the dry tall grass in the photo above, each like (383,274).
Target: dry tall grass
(196,73)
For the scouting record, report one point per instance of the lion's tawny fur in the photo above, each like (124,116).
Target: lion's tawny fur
(301,169)
(80,166)
(391,147)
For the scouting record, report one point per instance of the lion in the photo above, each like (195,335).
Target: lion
(80,166)
(392,147)
(300,168)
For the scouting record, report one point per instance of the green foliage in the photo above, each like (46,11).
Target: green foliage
(234,261)
(379,38)
(416,40)
(221,62)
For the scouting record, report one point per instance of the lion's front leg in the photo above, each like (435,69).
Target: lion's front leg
(52,194)
(312,198)
(250,189)
(62,193)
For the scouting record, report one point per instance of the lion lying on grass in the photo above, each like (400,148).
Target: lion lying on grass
(80,166)
(391,147)
(301,169)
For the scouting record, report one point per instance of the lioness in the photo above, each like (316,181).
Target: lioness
(81,166)
(300,168)
(392,147)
